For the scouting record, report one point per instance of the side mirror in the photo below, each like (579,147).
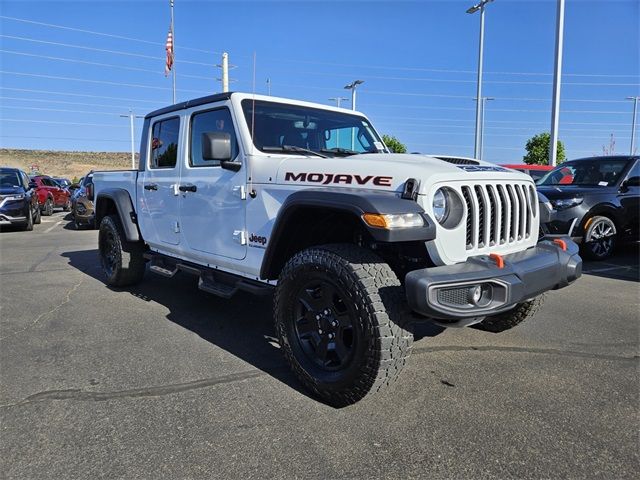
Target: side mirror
(631,182)
(216,146)
(33,185)
(89,191)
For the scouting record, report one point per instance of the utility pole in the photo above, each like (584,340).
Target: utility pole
(479,7)
(352,86)
(338,100)
(484,104)
(557,80)
(133,139)
(269,86)
(225,72)
(173,49)
(633,124)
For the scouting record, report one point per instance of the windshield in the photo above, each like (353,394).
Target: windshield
(10,179)
(279,126)
(598,172)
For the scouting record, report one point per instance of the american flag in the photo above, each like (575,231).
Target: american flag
(169,48)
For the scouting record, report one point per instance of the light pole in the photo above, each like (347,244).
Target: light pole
(352,86)
(484,104)
(557,80)
(479,6)
(269,86)
(133,139)
(633,123)
(338,100)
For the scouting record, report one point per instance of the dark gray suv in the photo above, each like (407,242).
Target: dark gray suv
(597,200)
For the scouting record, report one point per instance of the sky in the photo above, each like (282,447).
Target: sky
(68,70)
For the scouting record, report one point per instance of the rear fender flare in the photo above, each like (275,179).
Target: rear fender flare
(121,200)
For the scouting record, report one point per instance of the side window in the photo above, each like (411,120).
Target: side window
(47,183)
(633,178)
(164,143)
(25,180)
(210,121)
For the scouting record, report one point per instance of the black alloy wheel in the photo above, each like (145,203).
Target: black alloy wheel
(323,324)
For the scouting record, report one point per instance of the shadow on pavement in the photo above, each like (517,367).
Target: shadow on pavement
(241,325)
(623,265)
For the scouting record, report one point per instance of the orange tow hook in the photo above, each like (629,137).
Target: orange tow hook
(498,259)
(561,243)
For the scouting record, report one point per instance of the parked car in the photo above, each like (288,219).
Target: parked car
(596,201)
(63,182)
(51,195)
(82,203)
(534,171)
(18,199)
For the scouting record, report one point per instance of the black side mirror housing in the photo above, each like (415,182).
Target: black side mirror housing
(33,185)
(216,146)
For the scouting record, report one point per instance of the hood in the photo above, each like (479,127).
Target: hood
(384,171)
(555,192)
(11,190)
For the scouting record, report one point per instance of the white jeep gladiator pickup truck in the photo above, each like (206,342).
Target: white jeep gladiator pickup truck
(270,195)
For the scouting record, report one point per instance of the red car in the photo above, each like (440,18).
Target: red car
(51,194)
(535,171)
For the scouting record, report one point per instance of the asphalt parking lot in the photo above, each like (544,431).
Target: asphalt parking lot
(166,381)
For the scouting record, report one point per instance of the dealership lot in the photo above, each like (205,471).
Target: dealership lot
(163,380)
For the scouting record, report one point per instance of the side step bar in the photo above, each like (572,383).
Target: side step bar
(222,284)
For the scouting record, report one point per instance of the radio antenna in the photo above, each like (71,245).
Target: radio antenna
(252,192)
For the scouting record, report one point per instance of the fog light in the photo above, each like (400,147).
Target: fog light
(480,295)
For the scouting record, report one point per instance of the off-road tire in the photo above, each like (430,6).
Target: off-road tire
(588,248)
(38,219)
(369,287)
(47,208)
(514,317)
(122,262)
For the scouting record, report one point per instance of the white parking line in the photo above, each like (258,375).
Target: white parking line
(53,226)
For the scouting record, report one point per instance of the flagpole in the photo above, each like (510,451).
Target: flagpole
(173,66)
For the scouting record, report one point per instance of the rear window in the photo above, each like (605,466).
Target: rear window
(164,143)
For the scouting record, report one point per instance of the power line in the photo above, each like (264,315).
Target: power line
(24,99)
(102,50)
(65,138)
(121,37)
(20,107)
(103,82)
(109,65)
(61,123)
(155,102)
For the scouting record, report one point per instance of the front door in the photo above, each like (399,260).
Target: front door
(212,203)
(158,188)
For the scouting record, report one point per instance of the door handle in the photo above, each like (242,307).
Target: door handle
(151,186)
(188,188)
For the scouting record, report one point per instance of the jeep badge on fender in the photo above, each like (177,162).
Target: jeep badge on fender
(354,242)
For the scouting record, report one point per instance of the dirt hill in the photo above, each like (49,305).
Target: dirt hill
(64,164)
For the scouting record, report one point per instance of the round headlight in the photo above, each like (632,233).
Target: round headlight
(441,205)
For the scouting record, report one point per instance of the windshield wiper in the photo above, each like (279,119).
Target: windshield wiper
(292,148)
(344,151)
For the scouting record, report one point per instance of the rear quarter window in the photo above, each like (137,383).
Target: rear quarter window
(164,143)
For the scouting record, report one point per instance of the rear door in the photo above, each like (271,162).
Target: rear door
(212,202)
(629,197)
(158,188)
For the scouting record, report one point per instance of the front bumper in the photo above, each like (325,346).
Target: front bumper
(10,220)
(447,292)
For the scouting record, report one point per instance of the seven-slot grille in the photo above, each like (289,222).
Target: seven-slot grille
(499,214)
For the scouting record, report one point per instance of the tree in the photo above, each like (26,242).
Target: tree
(394,144)
(538,150)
